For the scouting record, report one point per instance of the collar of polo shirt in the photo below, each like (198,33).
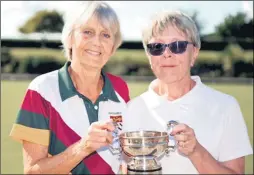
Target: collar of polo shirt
(67,89)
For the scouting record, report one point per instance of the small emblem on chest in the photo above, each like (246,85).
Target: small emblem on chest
(117,120)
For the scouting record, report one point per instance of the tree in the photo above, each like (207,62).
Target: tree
(43,21)
(237,26)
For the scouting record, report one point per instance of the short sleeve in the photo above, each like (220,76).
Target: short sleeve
(32,122)
(235,141)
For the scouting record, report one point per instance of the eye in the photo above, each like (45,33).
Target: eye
(88,32)
(106,35)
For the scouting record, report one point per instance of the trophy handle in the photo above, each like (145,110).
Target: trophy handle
(115,148)
(171,147)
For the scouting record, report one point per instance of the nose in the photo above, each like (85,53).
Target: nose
(96,41)
(167,53)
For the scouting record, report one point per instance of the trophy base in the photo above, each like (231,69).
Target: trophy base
(144,165)
(157,171)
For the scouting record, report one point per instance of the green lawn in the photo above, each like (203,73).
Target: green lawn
(12,93)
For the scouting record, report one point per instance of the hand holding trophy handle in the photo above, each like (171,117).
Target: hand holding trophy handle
(171,147)
(115,147)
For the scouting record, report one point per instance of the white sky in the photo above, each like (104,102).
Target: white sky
(132,14)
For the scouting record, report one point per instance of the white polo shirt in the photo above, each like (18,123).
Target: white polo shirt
(215,117)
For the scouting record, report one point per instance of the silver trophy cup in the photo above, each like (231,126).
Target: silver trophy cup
(143,147)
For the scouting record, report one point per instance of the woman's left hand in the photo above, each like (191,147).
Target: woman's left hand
(185,138)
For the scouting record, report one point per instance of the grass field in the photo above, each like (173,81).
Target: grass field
(12,93)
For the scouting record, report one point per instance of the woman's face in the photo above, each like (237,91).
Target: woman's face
(171,67)
(92,44)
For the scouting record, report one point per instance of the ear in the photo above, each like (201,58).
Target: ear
(194,56)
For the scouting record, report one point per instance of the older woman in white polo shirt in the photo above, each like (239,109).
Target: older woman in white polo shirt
(212,136)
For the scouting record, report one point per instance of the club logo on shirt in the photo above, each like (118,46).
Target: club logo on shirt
(117,119)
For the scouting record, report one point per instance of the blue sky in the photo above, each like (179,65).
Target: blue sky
(132,14)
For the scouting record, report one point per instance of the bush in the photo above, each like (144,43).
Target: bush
(5,57)
(8,63)
(243,69)
(122,67)
(39,65)
(234,64)
(207,68)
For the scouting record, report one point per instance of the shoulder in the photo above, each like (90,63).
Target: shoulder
(120,86)
(138,101)
(116,80)
(213,96)
(44,81)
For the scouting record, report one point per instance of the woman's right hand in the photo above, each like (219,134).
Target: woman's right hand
(99,135)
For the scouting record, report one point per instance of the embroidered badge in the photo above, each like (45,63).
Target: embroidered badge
(117,120)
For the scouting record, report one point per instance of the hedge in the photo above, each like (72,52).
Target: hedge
(231,62)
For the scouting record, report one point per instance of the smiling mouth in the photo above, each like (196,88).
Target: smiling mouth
(95,53)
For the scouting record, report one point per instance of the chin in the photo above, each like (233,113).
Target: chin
(169,79)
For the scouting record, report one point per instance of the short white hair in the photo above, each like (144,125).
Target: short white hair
(181,21)
(81,13)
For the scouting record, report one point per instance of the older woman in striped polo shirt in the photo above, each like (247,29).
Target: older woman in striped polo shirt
(64,122)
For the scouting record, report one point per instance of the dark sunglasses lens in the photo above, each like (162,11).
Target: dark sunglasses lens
(178,47)
(156,49)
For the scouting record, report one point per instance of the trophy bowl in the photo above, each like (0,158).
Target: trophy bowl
(143,143)
(143,147)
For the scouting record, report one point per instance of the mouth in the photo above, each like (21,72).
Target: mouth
(94,53)
(168,66)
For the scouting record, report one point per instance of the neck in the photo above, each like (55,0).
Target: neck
(87,81)
(174,90)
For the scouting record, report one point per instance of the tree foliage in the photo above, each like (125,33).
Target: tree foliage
(43,21)
(237,26)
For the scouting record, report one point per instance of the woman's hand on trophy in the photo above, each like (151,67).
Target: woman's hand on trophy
(99,135)
(186,139)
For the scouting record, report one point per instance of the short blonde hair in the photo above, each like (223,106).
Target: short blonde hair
(162,20)
(82,13)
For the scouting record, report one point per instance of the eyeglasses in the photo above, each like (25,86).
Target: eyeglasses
(177,47)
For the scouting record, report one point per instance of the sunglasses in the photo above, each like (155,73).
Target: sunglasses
(177,47)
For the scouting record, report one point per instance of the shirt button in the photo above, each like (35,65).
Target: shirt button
(95,107)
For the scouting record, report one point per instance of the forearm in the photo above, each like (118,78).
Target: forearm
(206,164)
(61,163)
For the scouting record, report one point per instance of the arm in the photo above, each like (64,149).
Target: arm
(205,163)
(234,145)
(33,130)
(36,160)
